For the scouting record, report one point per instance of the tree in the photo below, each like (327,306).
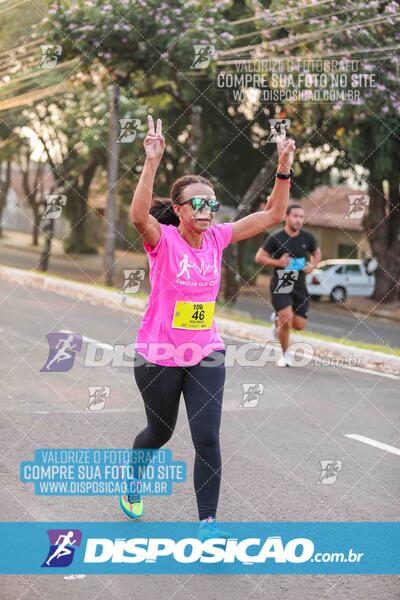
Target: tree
(73,130)
(32,185)
(360,133)
(9,145)
(151,46)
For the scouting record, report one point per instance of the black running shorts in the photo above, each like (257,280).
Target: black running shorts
(299,299)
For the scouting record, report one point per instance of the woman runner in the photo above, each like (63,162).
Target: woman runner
(178,348)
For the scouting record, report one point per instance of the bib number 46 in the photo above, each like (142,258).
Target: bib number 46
(199,313)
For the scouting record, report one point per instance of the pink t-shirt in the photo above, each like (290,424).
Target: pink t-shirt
(179,272)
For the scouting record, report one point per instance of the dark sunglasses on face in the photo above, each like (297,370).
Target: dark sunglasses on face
(198,203)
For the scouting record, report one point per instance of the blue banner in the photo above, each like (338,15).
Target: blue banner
(102,471)
(180,547)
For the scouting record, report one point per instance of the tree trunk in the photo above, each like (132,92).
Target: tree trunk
(112,176)
(36,225)
(231,274)
(393,264)
(77,215)
(48,231)
(382,225)
(4,187)
(250,202)
(77,212)
(196,136)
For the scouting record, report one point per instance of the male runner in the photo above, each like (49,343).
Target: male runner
(294,253)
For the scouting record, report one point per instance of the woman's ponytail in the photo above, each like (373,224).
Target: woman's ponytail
(161,209)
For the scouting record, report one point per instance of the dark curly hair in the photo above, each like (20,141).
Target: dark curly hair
(179,185)
(161,208)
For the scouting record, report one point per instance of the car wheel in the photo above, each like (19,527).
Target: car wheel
(338,295)
(316,298)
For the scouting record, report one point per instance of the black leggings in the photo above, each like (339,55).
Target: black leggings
(202,388)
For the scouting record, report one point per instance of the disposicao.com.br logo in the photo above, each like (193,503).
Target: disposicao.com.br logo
(62,547)
(181,547)
(190,550)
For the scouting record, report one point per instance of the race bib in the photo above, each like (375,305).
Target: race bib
(193,315)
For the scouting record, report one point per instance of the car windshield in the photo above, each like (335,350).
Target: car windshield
(351,268)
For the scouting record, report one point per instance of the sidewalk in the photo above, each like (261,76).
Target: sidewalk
(86,268)
(89,269)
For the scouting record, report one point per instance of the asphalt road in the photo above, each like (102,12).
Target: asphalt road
(327,319)
(271,452)
(324,317)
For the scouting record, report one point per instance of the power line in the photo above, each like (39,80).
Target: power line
(309,56)
(285,12)
(290,24)
(302,38)
(32,96)
(11,7)
(42,72)
(9,55)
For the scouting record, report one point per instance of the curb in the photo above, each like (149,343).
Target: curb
(365,359)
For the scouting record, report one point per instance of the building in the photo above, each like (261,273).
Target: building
(329,218)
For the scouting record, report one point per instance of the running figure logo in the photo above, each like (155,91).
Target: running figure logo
(357,206)
(251,394)
(129,129)
(203,268)
(98,395)
(63,543)
(286,281)
(329,471)
(62,351)
(133,277)
(55,203)
(203,54)
(50,55)
(278,129)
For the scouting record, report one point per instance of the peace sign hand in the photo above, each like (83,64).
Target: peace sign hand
(286,150)
(154,142)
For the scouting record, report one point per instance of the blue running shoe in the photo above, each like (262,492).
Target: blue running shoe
(210,528)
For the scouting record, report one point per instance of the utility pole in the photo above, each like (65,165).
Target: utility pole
(112,172)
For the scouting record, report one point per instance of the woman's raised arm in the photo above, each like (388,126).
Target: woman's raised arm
(145,223)
(274,211)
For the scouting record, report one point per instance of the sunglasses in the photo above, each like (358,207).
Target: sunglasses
(198,203)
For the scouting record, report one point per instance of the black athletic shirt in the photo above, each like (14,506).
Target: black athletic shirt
(301,245)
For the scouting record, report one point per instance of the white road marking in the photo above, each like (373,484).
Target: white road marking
(83,411)
(88,339)
(371,372)
(371,442)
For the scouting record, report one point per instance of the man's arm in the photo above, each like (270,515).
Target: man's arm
(315,259)
(264,258)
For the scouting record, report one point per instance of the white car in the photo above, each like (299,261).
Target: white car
(340,278)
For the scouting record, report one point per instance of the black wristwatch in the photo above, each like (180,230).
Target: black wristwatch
(284,175)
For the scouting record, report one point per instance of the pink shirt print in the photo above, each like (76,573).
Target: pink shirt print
(179,272)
